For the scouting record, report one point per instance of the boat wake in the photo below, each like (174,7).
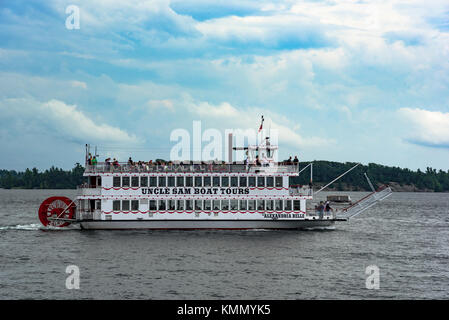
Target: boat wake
(328,228)
(28,227)
(32,227)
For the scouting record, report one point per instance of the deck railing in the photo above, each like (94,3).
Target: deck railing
(299,190)
(103,167)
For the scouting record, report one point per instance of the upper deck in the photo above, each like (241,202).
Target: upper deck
(193,167)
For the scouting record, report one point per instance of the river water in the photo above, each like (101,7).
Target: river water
(406,237)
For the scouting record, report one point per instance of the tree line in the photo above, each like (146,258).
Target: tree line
(323,172)
(53,178)
(399,178)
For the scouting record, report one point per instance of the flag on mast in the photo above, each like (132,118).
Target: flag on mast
(261,125)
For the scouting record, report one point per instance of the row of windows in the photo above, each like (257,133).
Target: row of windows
(213,205)
(182,181)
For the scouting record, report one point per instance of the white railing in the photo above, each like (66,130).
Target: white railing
(301,191)
(104,167)
(86,190)
(85,214)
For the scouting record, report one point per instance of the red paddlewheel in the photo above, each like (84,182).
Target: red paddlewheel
(56,207)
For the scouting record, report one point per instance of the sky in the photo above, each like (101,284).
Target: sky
(342,80)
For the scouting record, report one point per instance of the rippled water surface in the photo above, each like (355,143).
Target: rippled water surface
(406,236)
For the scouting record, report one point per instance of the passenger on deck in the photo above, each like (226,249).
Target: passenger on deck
(328,207)
(258,162)
(267,143)
(94,161)
(296,161)
(320,210)
(107,163)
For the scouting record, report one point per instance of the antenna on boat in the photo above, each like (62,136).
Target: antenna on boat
(311,172)
(230,147)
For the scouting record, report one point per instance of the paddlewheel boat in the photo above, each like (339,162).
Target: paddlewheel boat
(198,195)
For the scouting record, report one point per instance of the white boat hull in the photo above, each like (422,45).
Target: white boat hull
(207,224)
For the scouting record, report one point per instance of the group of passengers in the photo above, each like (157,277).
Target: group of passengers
(323,207)
(291,161)
(92,161)
(165,165)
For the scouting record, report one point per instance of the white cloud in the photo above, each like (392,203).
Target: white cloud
(55,117)
(429,128)
(238,118)
(79,84)
(161,104)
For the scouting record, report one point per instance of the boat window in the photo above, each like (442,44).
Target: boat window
(279,182)
(216,204)
(189,181)
(153,205)
(225,182)
(207,181)
(270,182)
(269,204)
(224,204)
(198,204)
(278,205)
(296,205)
(252,181)
(171,204)
(198,181)
(171,181)
(189,205)
(261,181)
(243,182)
(234,182)
(180,205)
(251,205)
(125,205)
(243,205)
(153,181)
(180,181)
(144,181)
(207,205)
(125,181)
(288,205)
(260,205)
(162,205)
(134,205)
(234,204)
(162,181)
(216,181)
(116,182)
(116,205)
(134,181)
